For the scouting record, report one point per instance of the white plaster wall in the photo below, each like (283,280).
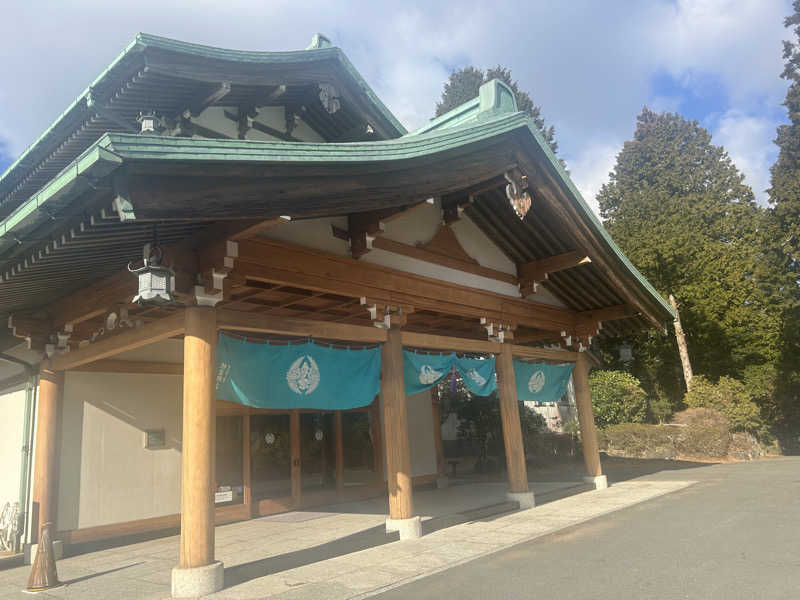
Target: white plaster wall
(12,409)
(311,233)
(418,226)
(434,271)
(107,475)
(420,434)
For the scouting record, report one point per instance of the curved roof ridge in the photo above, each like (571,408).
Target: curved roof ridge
(69,122)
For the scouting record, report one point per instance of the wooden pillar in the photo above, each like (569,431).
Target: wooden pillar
(583,400)
(437,431)
(509,414)
(295,453)
(398,454)
(339,440)
(199,424)
(45,470)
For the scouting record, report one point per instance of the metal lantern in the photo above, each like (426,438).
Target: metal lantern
(625,352)
(156,282)
(149,122)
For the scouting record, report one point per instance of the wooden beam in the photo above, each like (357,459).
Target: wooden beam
(287,264)
(527,337)
(110,365)
(453,344)
(247,321)
(544,353)
(259,227)
(538,270)
(128,339)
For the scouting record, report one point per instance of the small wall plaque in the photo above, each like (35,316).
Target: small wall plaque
(155,439)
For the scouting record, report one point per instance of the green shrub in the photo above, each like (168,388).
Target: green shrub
(617,398)
(636,440)
(660,410)
(728,396)
(706,433)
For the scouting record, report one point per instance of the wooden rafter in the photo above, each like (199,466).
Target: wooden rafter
(535,272)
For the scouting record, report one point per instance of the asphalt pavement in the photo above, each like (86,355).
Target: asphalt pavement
(733,535)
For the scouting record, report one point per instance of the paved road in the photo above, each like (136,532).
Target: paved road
(734,535)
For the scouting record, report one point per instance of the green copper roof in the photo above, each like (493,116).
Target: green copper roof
(113,150)
(494,98)
(171,62)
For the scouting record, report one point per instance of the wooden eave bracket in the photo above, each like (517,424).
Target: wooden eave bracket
(35,332)
(121,204)
(497,331)
(211,290)
(533,273)
(387,316)
(453,206)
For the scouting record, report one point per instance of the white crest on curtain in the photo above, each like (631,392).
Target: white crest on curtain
(476,377)
(536,382)
(303,376)
(428,375)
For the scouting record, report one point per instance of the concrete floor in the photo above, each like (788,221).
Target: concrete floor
(342,551)
(731,536)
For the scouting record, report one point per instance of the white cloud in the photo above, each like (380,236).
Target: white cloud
(747,139)
(590,168)
(738,41)
(588,64)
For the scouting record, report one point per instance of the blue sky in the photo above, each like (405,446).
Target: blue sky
(590,65)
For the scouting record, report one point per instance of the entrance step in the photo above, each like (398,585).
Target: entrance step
(473,514)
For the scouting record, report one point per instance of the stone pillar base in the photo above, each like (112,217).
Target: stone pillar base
(198,581)
(600,482)
(29,551)
(525,499)
(409,529)
(442,483)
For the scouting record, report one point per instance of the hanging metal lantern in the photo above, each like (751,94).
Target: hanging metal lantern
(156,282)
(149,122)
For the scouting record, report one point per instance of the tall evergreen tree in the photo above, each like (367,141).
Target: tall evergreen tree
(785,190)
(463,85)
(681,211)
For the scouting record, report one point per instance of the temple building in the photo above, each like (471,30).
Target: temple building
(232,280)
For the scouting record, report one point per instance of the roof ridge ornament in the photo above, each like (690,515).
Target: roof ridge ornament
(320,40)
